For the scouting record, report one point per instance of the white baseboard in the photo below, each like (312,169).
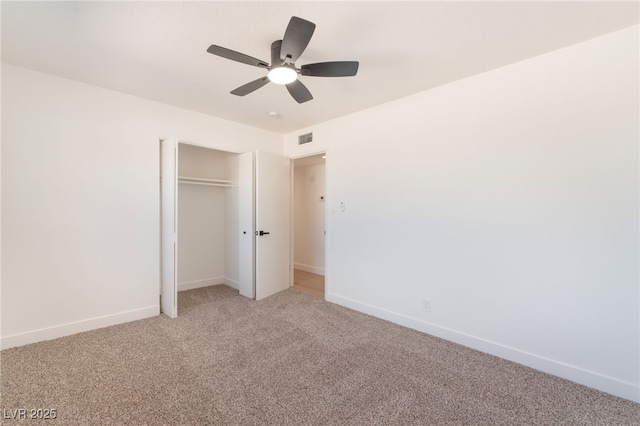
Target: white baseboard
(62,330)
(232,283)
(588,378)
(309,268)
(190,285)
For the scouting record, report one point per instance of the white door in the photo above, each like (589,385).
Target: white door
(264,224)
(272,212)
(169,213)
(246,221)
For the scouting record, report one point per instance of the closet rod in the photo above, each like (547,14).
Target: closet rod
(205,181)
(197,179)
(190,182)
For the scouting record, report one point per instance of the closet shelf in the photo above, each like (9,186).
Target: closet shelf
(205,181)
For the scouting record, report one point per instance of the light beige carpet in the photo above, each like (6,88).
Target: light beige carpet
(291,359)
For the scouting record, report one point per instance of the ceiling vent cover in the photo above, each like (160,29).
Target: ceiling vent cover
(306,138)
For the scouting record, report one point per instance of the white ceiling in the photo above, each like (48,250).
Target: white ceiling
(157,50)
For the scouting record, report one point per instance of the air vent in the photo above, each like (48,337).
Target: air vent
(306,138)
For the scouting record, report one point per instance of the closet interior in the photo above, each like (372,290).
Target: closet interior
(208,211)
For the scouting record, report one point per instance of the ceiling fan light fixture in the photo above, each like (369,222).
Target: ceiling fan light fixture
(282,75)
(284,54)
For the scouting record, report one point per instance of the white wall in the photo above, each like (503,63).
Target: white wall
(510,199)
(80,201)
(196,161)
(201,218)
(309,211)
(201,245)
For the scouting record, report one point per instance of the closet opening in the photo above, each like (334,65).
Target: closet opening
(309,230)
(207,216)
(225,223)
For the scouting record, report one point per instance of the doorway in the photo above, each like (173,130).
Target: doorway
(309,205)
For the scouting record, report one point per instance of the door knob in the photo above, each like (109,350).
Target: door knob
(262,233)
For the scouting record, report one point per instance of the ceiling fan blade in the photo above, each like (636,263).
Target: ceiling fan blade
(250,87)
(296,38)
(331,69)
(236,56)
(299,91)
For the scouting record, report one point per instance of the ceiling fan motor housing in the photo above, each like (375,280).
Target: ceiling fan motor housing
(275,54)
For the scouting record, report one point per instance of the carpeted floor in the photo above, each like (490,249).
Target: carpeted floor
(291,359)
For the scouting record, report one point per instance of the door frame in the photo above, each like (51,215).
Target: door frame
(253,156)
(327,216)
(168,291)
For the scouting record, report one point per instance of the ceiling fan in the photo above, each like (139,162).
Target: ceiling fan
(282,69)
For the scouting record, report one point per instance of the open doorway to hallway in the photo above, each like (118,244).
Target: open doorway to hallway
(309,224)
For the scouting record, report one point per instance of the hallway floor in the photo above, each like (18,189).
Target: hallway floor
(312,284)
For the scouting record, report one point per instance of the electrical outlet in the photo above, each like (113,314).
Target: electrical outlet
(426,305)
